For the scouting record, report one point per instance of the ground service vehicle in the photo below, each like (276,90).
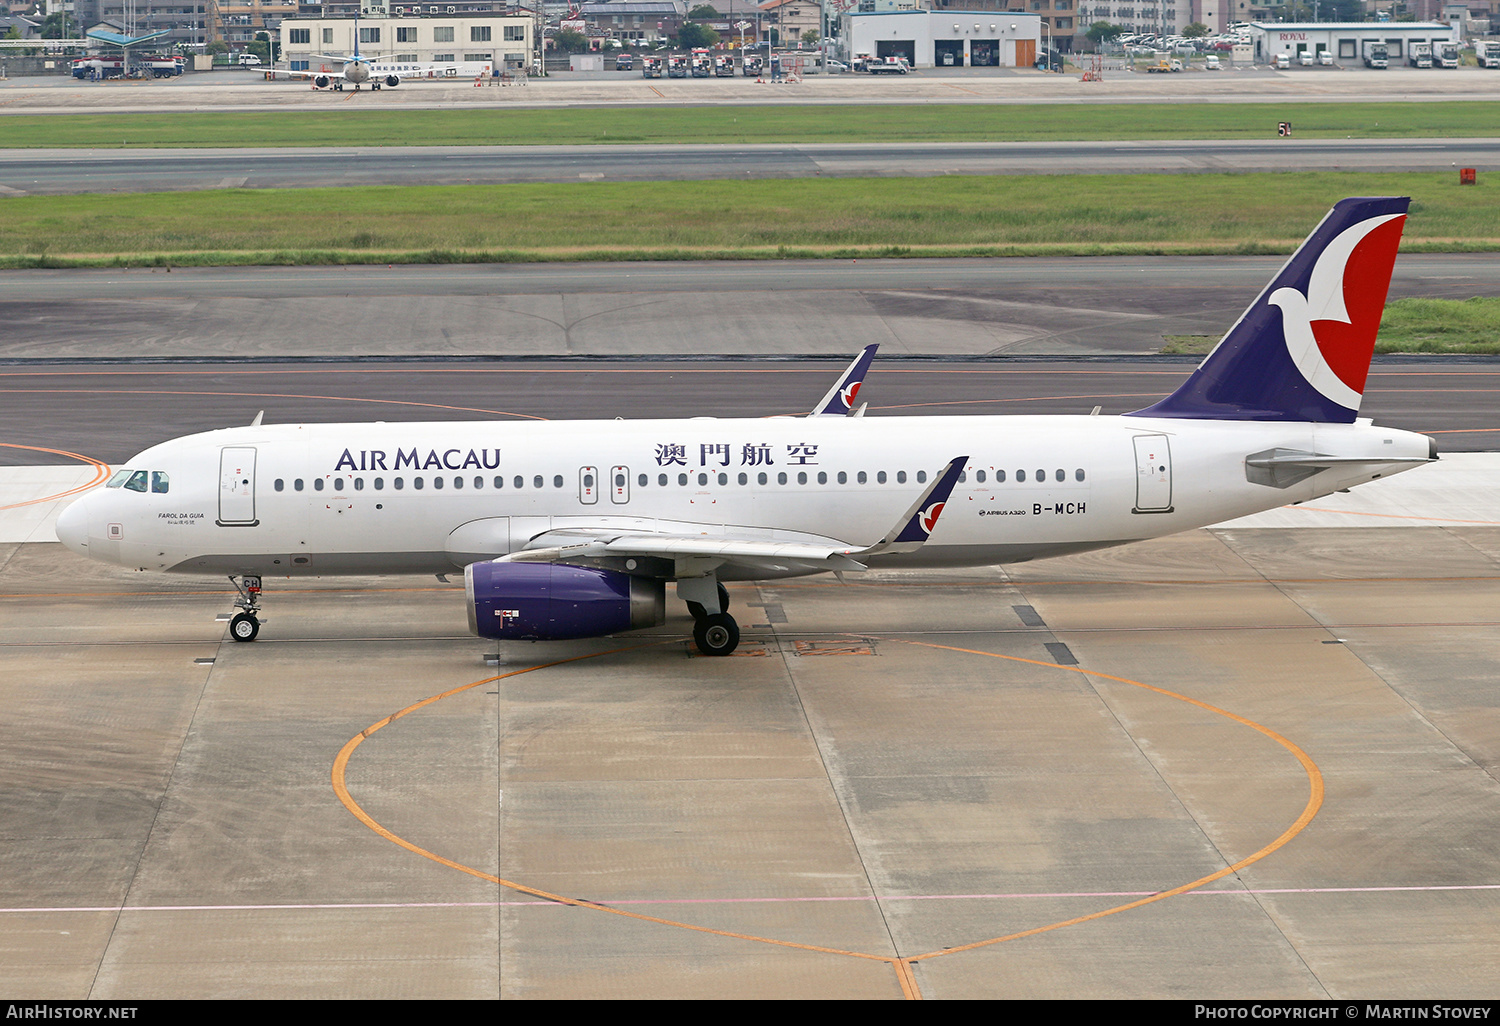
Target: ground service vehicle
(1419,55)
(1305,58)
(1447,55)
(625,62)
(98,67)
(161,65)
(1374,53)
(724,66)
(1488,55)
(1282,62)
(752,64)
(651,67)
(888,66)
(1325,58)
(702,64)
(677,66)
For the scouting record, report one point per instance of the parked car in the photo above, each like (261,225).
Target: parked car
(1211,62)
(1282,62)
(1325,58)
(625,62)
(1305,58)
(249,58)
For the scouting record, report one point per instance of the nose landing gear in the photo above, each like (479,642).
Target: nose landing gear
(245,625)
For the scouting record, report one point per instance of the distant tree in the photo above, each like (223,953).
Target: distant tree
(571,41)
(217,46)
(1099,31)
(704,12)
(53,25)
(693,36)
(1195,30)
(811,37)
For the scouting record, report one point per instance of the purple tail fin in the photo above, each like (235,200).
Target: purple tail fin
(1302,350)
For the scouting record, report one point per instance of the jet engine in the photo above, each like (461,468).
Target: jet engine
(392,80)
(321,81)
(554,602)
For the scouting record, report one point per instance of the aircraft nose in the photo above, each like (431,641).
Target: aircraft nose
(73,527)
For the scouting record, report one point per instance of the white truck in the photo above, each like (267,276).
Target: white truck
(1447,55)
(1488,54)
(1419,55)
(1375,53)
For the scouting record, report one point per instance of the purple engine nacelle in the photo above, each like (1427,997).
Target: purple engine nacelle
(554,602)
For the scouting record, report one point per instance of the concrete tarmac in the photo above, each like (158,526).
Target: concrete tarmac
(890,779)
(979,307)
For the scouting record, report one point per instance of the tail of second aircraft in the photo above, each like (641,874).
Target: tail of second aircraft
(1301,352)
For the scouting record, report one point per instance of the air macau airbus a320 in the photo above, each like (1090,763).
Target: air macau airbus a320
(573,529)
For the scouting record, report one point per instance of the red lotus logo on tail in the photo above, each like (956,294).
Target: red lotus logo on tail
(1330,332)
(928,518)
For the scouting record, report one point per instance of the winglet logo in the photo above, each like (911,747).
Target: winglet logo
(928,518)
(1330,331)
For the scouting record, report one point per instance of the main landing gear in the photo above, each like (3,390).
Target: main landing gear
(716,633)
(245,625)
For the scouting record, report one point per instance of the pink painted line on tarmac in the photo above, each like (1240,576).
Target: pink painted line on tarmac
(332,906)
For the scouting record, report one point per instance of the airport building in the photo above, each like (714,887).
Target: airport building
(961,38)
(1344,39)
(414,35)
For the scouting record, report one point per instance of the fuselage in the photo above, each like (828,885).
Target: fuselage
(434,497)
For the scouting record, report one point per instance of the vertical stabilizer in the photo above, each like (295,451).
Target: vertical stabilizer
(1301,352)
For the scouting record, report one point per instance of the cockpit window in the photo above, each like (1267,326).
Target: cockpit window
(159,482)
(121,476)
(137,482)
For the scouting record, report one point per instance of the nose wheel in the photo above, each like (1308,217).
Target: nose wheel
(245,625)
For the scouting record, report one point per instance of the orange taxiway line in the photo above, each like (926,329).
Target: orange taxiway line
(903,965)
(101,474)
(340,788)
(1314,803)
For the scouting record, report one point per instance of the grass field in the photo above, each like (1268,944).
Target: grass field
(354,126)
(947,216)
(1469,326)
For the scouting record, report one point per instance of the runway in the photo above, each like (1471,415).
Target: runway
(54,172)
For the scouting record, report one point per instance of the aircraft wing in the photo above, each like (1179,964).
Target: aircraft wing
(750,548)
(693,549)
(304,74)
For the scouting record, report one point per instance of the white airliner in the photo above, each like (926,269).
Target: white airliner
(356,69)
(572,529)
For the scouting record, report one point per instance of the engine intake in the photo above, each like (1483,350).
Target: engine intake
(555,602)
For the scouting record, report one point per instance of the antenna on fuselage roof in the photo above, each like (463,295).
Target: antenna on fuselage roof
(258,416)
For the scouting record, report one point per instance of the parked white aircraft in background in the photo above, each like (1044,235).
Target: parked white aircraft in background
(571,529)
(356,69)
